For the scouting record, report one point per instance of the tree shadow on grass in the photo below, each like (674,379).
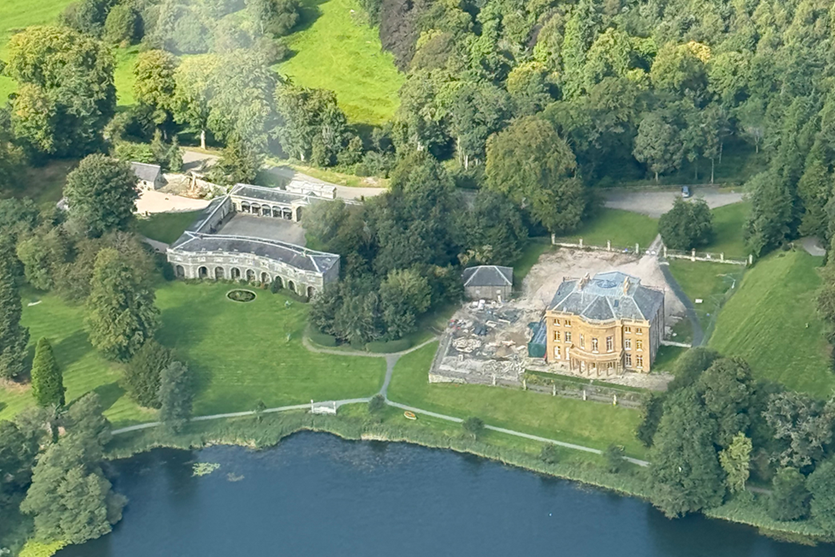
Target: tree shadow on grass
(2,406)
(72,348)
(308,14)
(109,394)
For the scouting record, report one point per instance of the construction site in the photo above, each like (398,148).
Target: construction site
(486,342)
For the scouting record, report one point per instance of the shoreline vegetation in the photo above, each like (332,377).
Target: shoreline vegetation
(353,423)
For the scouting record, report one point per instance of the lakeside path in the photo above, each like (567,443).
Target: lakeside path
(391,361)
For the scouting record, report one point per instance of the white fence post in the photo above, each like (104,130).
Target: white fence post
(581,243)
(637,249)
(692,255)
(665,252)
(750,259)
(608,245)
(722,256)
(553,239)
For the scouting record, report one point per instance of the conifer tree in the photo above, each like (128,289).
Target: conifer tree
(47,379)
(13,337)
(176,395)
(122,315)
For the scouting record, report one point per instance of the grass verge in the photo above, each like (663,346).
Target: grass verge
(772,322)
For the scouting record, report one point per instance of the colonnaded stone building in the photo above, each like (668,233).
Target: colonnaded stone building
(604,325)
(253,234)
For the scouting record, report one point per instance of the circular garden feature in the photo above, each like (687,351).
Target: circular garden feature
(241,295)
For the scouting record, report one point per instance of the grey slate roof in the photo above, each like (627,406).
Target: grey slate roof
(298,257)
(604,297)
(195,240)
(488,275)
(146,172)
(270,195)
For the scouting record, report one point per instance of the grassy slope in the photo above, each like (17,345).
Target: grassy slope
(334,52)
(592,424)
(166,227)
(727,226)
(771,322)
(623,228)
(240,353)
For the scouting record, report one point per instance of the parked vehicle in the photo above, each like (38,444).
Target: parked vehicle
(685,192)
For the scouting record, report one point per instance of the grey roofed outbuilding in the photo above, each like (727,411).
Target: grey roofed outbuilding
(606,296)
(146,172)
(488,275)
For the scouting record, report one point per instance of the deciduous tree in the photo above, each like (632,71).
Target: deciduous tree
(789,498)
(68,92)
(534,167)
(687,225)
(736,462)
(821,484)
(154,84)
(685,475)
(101,194)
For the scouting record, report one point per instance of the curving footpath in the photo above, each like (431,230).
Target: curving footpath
(391,361)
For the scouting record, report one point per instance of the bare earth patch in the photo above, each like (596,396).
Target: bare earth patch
(545,277)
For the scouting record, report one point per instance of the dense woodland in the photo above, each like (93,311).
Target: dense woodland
(533,105)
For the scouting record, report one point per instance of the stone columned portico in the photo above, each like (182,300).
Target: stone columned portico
(205,252)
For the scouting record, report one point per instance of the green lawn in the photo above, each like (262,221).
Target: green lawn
(727,227)
(708,282)
(240,353)
(166,227)
(84,370)
(622,228)
(772,323)
(587,423)
(335,51)
(123,74)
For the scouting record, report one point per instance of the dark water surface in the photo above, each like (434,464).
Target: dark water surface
(316,495)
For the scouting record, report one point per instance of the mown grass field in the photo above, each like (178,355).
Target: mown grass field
(772,322)
(586,423)
(240,353)
(623,228)
(166,227)
(334,50)
(727,230)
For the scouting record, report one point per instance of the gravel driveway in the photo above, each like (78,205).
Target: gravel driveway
(656,203)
